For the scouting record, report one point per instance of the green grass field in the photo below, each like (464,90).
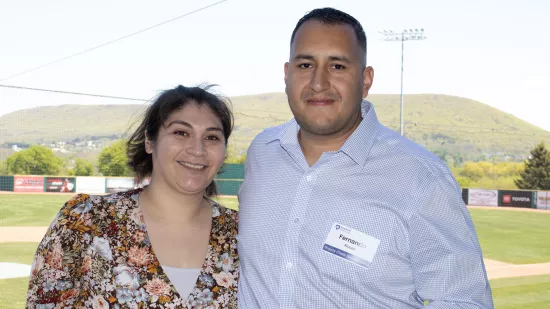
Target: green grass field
(30,210)
(40,210)
(508,236)
(17,252)
(513,236)
(525,292)
(13,293)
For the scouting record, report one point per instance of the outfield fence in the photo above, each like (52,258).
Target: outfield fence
(507,198)
(229,181)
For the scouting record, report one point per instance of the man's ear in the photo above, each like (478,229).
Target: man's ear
(368,76)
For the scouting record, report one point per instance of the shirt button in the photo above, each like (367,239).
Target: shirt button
(289,265)
(309,178)
(296,220)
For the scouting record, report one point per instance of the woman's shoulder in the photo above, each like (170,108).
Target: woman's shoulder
(90,200)
(223,210)
(90,206)
(80,205)
(225,220)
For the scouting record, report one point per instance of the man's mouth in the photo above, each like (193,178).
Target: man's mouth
(320,101)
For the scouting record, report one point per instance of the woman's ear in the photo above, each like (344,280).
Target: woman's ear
(148,145)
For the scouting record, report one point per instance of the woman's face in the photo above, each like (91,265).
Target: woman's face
(189,150)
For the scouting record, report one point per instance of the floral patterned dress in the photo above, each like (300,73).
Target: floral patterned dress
(96,254)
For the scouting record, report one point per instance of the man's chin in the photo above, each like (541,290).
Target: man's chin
(319,129)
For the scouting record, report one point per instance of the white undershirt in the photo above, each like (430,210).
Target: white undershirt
(183,279)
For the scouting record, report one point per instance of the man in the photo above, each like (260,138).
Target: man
(338,211)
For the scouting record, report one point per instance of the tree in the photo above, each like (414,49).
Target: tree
(36,160)
(473,171)
(4,168)
(536,175)
(233,157)
(464,182)
(83,168)
(113,160)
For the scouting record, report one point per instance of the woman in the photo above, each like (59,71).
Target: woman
(167,245)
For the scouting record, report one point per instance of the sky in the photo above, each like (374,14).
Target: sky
(495,52)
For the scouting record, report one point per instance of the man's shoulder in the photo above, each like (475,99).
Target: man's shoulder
(270,134)
(410,152)
(412,162)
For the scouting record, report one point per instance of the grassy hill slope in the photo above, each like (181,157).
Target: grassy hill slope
(444,124)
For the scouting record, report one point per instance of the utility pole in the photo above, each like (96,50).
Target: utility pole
(405,35)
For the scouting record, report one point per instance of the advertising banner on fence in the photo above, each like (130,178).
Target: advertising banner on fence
(60,184)
(480,197)
(90,185)
(28,184)
(543,199)
(119,184)
(523,199)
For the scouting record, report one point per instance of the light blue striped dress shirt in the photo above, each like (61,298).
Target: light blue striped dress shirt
(379,184)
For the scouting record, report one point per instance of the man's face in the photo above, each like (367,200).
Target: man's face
(326,78)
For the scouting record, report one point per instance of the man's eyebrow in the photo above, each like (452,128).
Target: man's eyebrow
(331,58)
(303,57)
(339,58)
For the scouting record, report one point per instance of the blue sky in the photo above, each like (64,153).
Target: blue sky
(491,51)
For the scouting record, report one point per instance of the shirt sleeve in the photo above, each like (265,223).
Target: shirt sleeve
(250,157)
(446,258)
(57,262)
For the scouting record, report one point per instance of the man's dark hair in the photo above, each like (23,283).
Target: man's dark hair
(330,16)
(167,103)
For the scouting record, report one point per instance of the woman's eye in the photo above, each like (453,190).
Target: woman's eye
(213,138)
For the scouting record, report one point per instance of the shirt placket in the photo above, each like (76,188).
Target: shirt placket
(290,257)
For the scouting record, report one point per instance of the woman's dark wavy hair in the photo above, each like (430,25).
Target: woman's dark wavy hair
(168,102)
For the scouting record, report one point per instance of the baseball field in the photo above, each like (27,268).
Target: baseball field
(515,244)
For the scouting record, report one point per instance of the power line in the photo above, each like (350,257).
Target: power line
(117,97)
(73,93)
(110,42)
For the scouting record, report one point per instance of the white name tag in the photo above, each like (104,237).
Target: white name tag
(350,244)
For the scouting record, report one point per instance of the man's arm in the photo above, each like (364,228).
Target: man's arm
(446,258)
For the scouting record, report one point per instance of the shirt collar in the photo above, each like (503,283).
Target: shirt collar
(358,144)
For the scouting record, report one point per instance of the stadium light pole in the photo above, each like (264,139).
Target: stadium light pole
(405,35)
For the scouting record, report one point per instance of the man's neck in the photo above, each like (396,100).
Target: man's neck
(313,146)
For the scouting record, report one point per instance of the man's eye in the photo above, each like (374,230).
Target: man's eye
(339,67)
(305,65)
(180,133)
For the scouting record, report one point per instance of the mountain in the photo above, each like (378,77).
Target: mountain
(455,128)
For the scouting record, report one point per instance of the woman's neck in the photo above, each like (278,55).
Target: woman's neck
(162,203)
